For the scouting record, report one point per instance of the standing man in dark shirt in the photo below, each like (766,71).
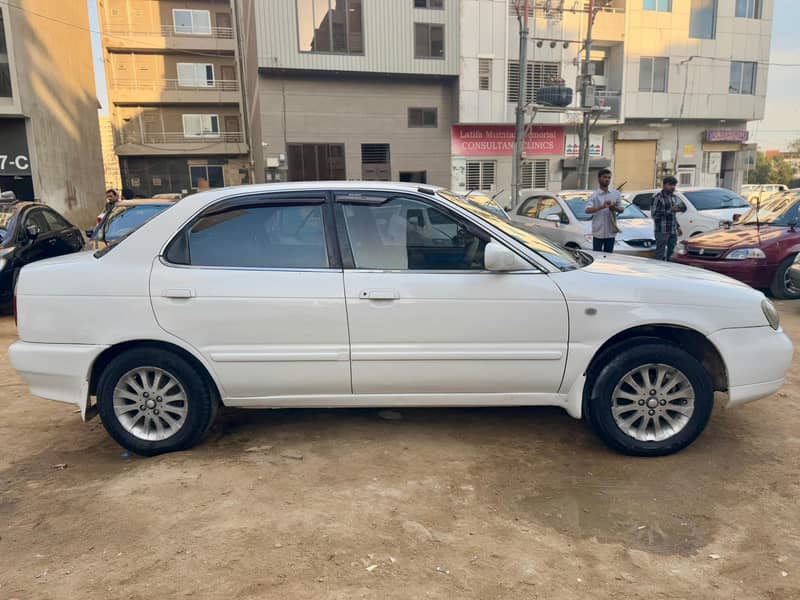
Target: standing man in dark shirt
(664,210)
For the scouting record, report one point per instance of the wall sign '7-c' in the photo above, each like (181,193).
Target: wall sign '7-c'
(19,162)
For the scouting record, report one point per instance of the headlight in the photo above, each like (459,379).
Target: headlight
(745,253)
(589,237)
(771,313)
(682,249)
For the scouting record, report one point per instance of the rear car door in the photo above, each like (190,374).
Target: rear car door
(427,318)
(255,284)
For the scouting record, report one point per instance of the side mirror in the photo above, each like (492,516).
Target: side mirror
(32,231)
(500,259)
(553,218)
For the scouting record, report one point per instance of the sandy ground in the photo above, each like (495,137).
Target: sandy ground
(500,503)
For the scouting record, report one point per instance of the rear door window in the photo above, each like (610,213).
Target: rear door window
(644,201)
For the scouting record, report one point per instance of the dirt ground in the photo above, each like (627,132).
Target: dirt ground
(344,504)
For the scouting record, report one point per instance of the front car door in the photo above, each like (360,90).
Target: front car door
(427,318)
(255,284)
(40,247)
(68,238)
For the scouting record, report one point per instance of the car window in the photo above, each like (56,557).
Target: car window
(124,220)
(405,234)
(644,201)
(55,221)
(35,217)
(272,236)
(547,207)
(529,208)
(716,199)
(631,211)
(781,210)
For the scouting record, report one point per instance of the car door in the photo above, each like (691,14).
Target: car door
(68,238)
(644,201)
(40,247)
(255,284)
(425,317)
(533,214)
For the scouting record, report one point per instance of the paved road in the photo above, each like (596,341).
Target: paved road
(501,503)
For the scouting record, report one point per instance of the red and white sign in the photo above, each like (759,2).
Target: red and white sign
(498,140)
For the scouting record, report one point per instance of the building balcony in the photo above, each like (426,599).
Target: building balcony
(218,39)
(160,143)
(173,91)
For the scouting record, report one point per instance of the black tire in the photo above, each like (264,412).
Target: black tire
(779,287)
(621,360)
(201,401)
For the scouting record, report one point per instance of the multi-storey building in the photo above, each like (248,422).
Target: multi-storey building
(49,138)
(178,72)
(358,89)
(680,78)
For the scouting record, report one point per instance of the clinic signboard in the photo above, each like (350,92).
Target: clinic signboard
(727,135)
(498,140)
(14,156)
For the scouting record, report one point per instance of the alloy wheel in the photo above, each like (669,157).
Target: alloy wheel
(150,403)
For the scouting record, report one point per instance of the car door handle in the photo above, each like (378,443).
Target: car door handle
(379,295)
(178,293)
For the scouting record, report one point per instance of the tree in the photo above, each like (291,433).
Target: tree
(782,172)
(762,171)
(771,170)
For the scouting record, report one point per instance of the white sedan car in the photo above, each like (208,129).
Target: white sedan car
(706,208)
(378,294)
(562,218)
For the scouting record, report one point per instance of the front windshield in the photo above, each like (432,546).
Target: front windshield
(778,210)
(561,258)
(578,207)
(126,219)
(716,199)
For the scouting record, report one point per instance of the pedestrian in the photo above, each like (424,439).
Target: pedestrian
(604,205)
(111,199)
(664,210)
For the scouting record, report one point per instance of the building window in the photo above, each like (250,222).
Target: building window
(703,19)
(191,22)
(481,175)
(203,176)
(429,4)
(536,174)
(334,26)
(316,162)
(5,69)
(422,117)
(201,126)
(658,5)
(484,74)
(748,9)
(414,176)
(428,40)
(375,162)
(743,78)
(195,75)
(539,75)
(653,74)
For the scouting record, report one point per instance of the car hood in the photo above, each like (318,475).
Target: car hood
(739,237)
(625,279)
(724,214)
(629,229)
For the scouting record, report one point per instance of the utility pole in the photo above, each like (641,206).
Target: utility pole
(587,101)
(519,135)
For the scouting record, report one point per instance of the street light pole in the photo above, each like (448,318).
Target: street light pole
(519,134)
(587,101)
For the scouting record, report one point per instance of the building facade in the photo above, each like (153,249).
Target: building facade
(680,80)
(178,74)
(358,89)
(49,136)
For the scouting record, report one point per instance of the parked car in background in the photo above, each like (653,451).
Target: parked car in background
(30,231)
(484,201)
(125,217)
(758,250)
(562,218)
(755,193)
(707,209)
(339,294)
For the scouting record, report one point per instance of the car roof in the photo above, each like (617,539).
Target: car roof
(145,201)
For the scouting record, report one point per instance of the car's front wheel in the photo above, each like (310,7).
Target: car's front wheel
(153,401)
(782,286)
(650,399)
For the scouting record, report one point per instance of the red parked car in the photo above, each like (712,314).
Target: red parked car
(758,250)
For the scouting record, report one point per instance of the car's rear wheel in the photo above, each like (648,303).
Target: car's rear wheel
(782,286)
(153,401)
(650,399)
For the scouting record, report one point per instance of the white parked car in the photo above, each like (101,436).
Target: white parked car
(707,209)
(562,218)
(340,295)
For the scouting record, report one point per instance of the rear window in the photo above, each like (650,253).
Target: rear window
(126,219)
(716,199)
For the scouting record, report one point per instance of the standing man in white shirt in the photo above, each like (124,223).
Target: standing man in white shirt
(604,205)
